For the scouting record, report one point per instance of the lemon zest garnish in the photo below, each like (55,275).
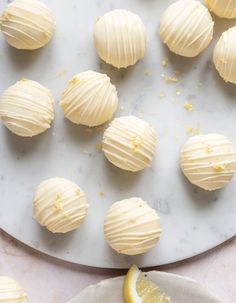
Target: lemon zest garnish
(136,141)
(219,167)
(209,149)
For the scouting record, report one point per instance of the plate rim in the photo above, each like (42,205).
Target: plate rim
(186,279)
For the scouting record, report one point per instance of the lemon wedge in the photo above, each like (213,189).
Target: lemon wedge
(138,289)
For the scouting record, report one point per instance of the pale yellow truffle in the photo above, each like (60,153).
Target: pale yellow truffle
(89,99)
(208,161)
(27,108)
(27,24)
(222,8)
(225,56)
(120,38)
(186,27)
(11,291)
(132,227)
(129,143)
(59,205)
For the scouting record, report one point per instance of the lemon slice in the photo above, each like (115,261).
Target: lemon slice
(138,289)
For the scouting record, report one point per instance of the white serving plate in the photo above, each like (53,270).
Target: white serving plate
(193,220)
(180,290)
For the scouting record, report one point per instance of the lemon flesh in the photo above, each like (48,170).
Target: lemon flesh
(138,289)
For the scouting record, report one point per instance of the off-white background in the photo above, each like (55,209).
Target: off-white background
(50,281)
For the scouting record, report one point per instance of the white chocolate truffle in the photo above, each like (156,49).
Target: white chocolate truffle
(129,143)
(225,56)
(120,38)
(132,227)
(186,27)
(59,205)
(222,8)
(11,291)
(27,108)
(208,161)
(89,99)
(27,24)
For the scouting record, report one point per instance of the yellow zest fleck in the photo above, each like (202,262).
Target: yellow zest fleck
(169,79)
(23,79)
(136,141)
(74,80)
(209,149)
(218,167)
(188,105)
(99,146)
(162,95)
(78,192)
(147,72)
(178,92)
(190,130)
(164,61)
(102,194)
(99,129)
(57,204)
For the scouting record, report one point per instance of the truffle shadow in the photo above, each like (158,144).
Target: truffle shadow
(79,133)
(26,145)
(119,178)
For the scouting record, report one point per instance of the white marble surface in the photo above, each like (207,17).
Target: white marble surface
(50,281)
(192,220)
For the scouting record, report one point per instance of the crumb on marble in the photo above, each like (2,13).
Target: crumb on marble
(165,61)
(169,79)
(188,105)
(99,129)
(99,146)
(147,72)
(102,194)
(162,95)
(177,91)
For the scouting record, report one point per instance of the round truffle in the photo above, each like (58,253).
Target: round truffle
(59,205)
(208,161)
(225,56)
(120,38)
(129,143)
(27,24)
(186,27)
(132,227)
(27,108)
(89,99)
(11,291)
(222,8)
